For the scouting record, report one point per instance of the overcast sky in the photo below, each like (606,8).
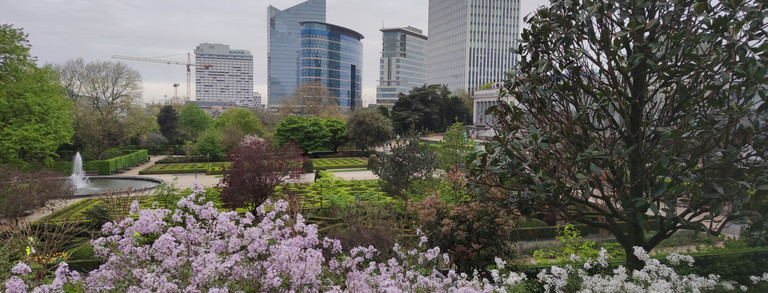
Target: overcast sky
(60,30)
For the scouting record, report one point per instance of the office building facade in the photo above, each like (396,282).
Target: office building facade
(333,55)
(283,45)
(403,63)
(470,41)
(229,77)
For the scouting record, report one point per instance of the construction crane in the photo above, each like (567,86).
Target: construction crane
(189,64)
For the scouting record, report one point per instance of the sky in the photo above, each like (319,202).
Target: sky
(61,30)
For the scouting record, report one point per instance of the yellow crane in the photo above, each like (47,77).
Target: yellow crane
(189,64)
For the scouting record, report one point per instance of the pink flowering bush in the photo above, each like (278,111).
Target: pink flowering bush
(196,248)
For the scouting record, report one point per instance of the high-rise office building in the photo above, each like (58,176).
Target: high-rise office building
(283,45)
(333,55)
(230,77)
(470,41)
(403,63)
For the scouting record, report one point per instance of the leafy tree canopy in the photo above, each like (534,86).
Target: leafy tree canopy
(368,128)
(337,130)
(243,119)
(194,120)
(632,111)
(210,144)
(430,108)
(35,118)
(168,122)
(407,162)
(310,134)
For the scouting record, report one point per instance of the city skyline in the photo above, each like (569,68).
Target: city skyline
(60,31)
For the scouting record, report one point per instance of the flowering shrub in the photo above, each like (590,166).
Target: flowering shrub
(195,248)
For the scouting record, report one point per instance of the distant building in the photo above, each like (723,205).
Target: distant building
(283,45)
(230,77)
(333,55)
(482,127)
(470,41)
(403,63)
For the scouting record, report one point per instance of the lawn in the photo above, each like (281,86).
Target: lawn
(340,163)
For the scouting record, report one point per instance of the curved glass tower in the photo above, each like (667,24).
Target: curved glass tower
(333,55)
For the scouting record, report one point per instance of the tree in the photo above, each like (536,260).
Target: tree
(210,144)
(168,121)
(367,129)
(430,107)
(337,130)
(258,167)
(311,99)
(455,147)
(407,162)
(106,97)
(35,119)
(310,134)
(193,120)
(625,109)
(242,118)
(231,136)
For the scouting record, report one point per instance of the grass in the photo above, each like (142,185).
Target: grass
(340,163)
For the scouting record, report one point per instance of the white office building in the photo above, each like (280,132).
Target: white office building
(229,77)
(403,63)
(470,41)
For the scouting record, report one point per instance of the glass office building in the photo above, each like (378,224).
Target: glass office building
(403,63)
(283,45)
(230,77)
(333,55)
(470,41)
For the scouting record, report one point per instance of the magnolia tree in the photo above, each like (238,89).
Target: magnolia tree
(629,115)
(196,248)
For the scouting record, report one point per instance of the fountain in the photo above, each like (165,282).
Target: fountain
(94,185)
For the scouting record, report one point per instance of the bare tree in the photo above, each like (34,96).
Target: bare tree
(311,99)
(22,192)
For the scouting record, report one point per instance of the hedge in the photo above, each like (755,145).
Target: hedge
(550,232)
(113,165)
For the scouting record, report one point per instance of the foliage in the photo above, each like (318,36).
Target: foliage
(363,223)
(168,122)
(310,134)
(106,97)
(311,99)
(337,129)
(373,162)
(623,107)
(193,120)
(21,192)
(473,232)
(34,117)
(455,148)
(153,139)
(407,162)
(244,119)
(209,144)
(756,232)
(571,243)
(430,108)
(367,129)
(196,247)
(308,166)
(113,165)
(231,136)
(258,167)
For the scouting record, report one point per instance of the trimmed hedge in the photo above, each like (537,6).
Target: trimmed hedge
(550,232)
(108,166)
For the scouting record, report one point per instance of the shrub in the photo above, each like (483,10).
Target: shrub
(308,166)
(373,162)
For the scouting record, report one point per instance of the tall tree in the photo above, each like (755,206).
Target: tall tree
(245,120)
(193,120)
(168,122)
(337,130)
(258,167)
(455,148)
(311,99)
(35,118)
(367,129)
(310,134)
(624,109)
(430,107)
(106,97)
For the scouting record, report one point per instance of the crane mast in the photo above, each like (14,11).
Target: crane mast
(189,65)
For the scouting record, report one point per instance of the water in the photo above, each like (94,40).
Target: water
(78,178)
